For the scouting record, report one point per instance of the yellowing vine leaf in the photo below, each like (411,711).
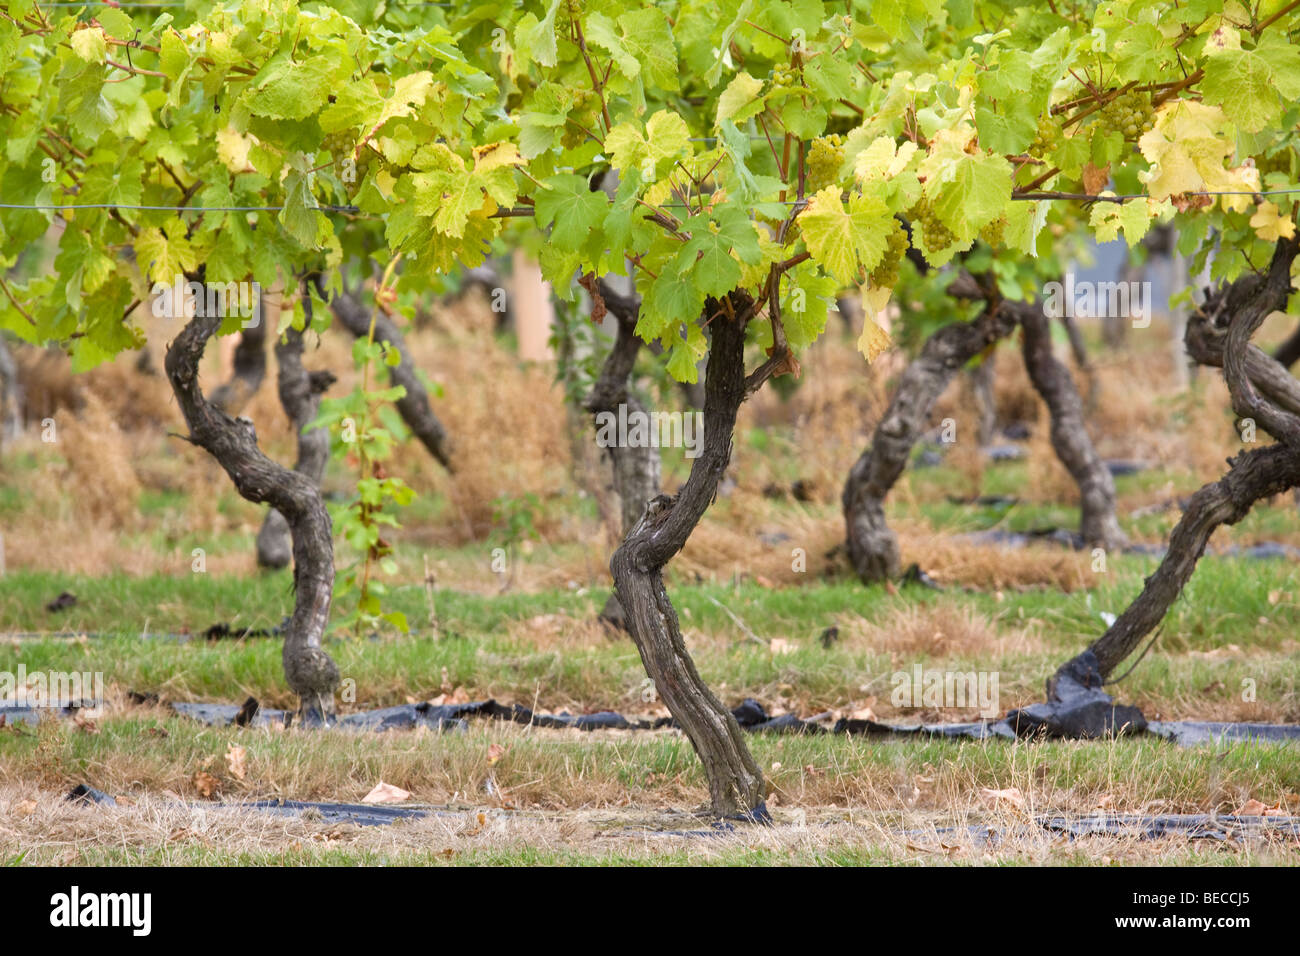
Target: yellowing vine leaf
(845,241)
(740,100)
(1187,148)
(1270,225)
(874,340)
(883,159)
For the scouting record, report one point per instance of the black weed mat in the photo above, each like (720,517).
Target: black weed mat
(362,814)
(750,714)
(1066,538)
(1193,826)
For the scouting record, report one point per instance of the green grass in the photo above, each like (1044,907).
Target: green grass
(489,647)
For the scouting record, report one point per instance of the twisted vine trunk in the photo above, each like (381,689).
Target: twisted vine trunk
(11,396)
(1098,525)
(300,395)
(310,671)
(981,381)
(1288,353)
(1079,350)
(636,468)
(249,367)
(735,781)
(872,544)
(1221,330)
(414,405)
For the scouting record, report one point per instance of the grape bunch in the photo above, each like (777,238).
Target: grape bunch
(823,162)
(1046,138)
(885,275)
(1279,162)
(583,113)
(934,234)
(338,144)
(564,20)
(992,233)
(1130,115)
(785,78)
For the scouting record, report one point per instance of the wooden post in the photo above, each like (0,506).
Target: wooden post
(534,314)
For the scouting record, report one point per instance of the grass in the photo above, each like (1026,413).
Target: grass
(562,797)
(546,646)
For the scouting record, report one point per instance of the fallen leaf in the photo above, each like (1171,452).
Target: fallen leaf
(206,784)
(386,793)
(1011,795)
(1251,808)
(25,808)
(495,753)
(85,724)
(779,645)
(236,760)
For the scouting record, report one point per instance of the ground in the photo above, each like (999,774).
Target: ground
(113,510)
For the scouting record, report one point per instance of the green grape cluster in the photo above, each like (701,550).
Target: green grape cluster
(1046,138)
(934,234)
(338,144)
(785,78)
(583,112)
(366,159)
(1279,162)
(1130,115)
(993,232)
(564,19)
(823,162)
(885,274)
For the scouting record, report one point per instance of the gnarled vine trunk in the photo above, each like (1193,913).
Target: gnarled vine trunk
(1288,353)
(11,396)
(735,781)
(414,405)
(300,394)
(249,367)
(1098,524)
(872,544)
(636,468)
(981,379)
(310,671)
(1221,330)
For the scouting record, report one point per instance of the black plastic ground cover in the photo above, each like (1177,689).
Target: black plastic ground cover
(1193,826)
(1263,551)
(362,814)
(433,716)
(1082,716)
(221,631)
(1086,719)
(1132,826)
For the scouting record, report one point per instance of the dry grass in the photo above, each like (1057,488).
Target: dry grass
(514,439)
(939,630)
(50,831)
